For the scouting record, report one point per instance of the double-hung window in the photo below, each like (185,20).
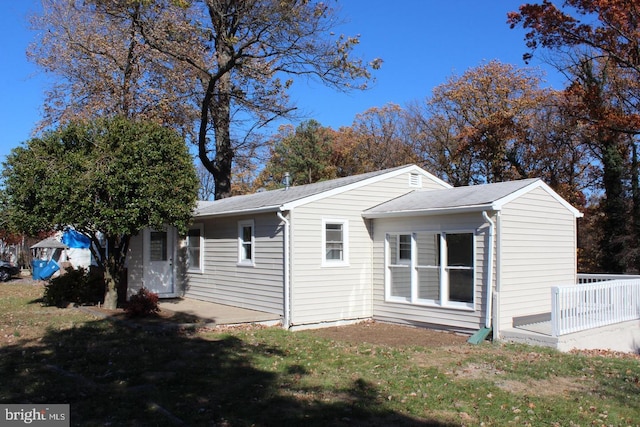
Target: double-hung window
(195,249)
(335,244)
(246,243)
(431,268)
(399,266)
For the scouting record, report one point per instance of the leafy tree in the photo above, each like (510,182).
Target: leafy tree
(439,147)
(552,149)
(613,32)
(231,60)
(309,153)
(472,127)
(108,179)
(304,153)
(376,140)
(600,41)
(592,100)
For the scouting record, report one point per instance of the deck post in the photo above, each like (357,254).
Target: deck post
(555,311)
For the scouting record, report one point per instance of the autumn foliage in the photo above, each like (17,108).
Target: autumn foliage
(220,71)
(599,41)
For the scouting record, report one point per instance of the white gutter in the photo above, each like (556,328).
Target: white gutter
(286,321)
(429,211)
(487,321)
(264,209)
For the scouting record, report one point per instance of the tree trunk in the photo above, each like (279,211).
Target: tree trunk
(635,194)
(111,291)
(613,241)
(218,100)
(113,267)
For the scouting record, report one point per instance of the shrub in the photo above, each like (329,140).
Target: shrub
(144,303)
(79,286)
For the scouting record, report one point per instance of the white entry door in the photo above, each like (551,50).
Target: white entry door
(159,247)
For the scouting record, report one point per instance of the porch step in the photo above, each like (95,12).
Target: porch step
(479,336)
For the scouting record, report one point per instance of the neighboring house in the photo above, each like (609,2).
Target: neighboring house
(398,245)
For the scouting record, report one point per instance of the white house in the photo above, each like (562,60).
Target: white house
(397,245)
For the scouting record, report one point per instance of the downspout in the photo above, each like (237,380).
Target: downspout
(487,321)
(286,321)
(496,295)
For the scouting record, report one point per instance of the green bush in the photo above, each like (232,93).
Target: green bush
(79,286)
(144,303)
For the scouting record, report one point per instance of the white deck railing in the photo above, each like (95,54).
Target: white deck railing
(593,278)
(592,305)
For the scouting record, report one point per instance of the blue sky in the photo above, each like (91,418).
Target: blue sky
(422,43)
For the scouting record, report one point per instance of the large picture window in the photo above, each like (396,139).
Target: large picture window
(431,268)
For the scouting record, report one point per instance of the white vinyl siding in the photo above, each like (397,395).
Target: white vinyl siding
(321,294)
(538,247)
(224,281)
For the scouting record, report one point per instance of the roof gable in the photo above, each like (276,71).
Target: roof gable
(462,199)
(287,199)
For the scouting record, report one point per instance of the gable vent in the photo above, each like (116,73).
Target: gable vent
(415,180)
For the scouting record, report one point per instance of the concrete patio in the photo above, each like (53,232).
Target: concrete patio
(218,314)
(624,337)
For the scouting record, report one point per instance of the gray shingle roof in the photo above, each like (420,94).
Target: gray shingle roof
(474,196)
(274,199)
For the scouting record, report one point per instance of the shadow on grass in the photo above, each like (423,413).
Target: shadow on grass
(116,375)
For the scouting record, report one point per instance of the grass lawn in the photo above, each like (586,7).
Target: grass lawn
(114,374)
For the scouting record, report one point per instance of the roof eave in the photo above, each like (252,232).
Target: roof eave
(431,211)
(264,209)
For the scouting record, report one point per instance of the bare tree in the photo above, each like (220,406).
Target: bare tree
(230,60)
(104,67)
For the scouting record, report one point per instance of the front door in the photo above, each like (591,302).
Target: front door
(158,261)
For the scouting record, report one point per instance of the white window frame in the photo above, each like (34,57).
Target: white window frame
(444,268)
(447,269)
(345,243)
(200,267)
(242,259)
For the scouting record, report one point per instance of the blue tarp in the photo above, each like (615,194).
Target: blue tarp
(36,267)
(73,239)
(43,270)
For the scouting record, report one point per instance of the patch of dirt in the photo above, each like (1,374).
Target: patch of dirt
(372,332)
(556,386)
